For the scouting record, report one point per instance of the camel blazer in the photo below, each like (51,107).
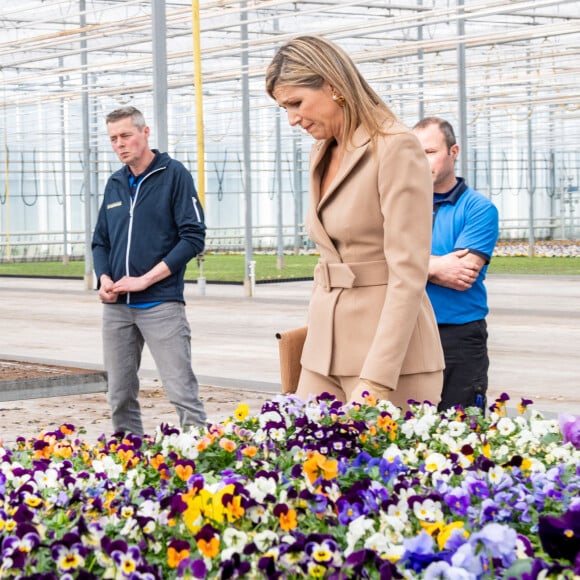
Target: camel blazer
(369,314)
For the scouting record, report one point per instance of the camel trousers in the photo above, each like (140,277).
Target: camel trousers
(420,387)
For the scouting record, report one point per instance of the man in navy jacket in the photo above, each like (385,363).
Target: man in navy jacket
(150,225)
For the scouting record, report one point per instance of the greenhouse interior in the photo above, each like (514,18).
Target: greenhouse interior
(506,74)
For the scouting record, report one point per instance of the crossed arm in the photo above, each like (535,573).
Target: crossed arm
(457,270)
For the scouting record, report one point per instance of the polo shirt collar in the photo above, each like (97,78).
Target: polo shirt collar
(454,194)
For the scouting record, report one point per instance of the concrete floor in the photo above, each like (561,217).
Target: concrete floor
(534,329)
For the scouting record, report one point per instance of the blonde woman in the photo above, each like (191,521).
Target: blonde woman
(370,323)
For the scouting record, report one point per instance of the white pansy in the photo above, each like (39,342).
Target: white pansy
(505,426)
(496,474)
(298,454)
(391,453)
(150,527)
(560,453)
(463,461)
(357,529)
(149,509)
(377,542)
(108,466)
(456,428)
(131,529)
(542,428)
(229,428)
(46,479)
(394,553)
(428,510)
(398,512)
(270,417)
(408,427)
(278,434)
(450,442)
(535,415)
(404,495)
(410,456)
(8,470)
(264,540)
(502,451)
(439,477)
(313,413)
(93,535)
(525,438)
(185,442)
(135,479)
(234,539)
(261,487)
(394,412)
(157,547)
(226,554)
(257,514)
(436,462)
(260,436)
(423,426)
(394,525)
(287,539)
(215,486)
(536,466)
(473,439)
(520,421)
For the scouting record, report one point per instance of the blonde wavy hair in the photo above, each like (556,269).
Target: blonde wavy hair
(309,61)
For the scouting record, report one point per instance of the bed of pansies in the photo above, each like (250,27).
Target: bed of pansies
(314,490)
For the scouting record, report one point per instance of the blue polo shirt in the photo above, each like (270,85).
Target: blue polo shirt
(462,218)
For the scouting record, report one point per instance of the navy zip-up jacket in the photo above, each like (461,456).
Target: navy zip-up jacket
(164,222)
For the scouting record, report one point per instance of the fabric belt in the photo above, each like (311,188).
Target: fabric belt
(340,275)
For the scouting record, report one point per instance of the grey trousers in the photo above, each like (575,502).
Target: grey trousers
(165,330)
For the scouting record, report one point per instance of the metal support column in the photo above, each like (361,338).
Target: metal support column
(249,264)
(159,35)
(279,212)
(64,177)
(531,180)
(88,277)
(297,181)
(462,94)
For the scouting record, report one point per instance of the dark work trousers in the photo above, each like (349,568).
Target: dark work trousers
(466,364)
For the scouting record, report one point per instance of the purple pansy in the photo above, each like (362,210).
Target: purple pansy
(570,427)
(560,536)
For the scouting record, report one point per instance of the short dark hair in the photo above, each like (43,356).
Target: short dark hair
(136,115)
(444,126)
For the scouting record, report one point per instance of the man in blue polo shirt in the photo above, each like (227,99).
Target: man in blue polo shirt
(465,231)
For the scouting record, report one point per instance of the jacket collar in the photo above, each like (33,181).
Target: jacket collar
(352,155)
(150,167)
